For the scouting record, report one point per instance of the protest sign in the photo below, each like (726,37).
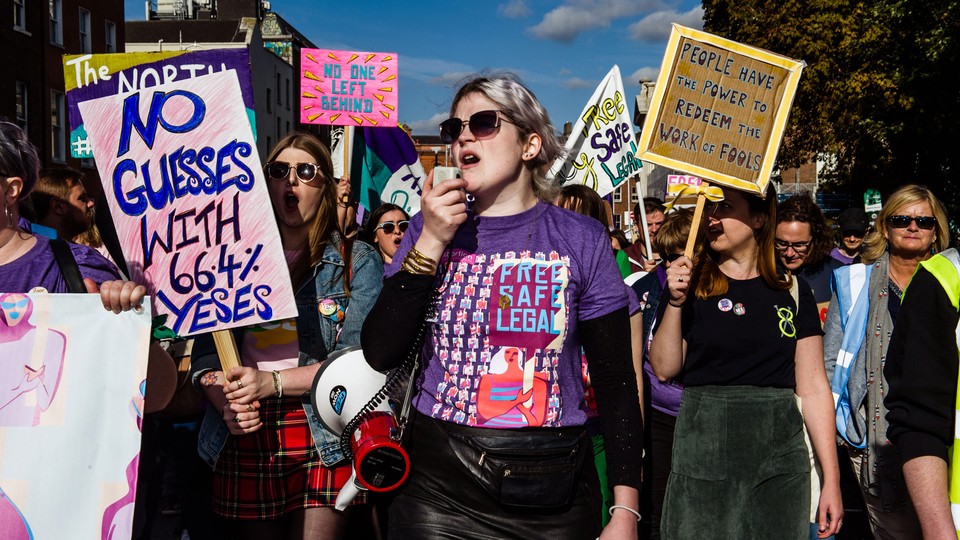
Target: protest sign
(71,404)
(187,194)
(347,88)
(601,153)
(90,76)
(719,109)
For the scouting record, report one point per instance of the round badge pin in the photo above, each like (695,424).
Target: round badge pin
(739,309)
(39,290)
(725,304)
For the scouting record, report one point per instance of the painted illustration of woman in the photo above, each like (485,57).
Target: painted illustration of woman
(511,393)
(31,362)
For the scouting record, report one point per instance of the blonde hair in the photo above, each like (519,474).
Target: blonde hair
(875,243)
(520,106)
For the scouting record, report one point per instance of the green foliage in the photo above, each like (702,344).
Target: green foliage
(878,92)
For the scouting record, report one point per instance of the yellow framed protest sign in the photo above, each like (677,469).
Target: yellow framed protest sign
(719,109)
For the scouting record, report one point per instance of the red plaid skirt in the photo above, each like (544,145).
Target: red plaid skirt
(275,470)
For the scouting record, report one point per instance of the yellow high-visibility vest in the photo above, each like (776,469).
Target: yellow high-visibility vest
(947,271)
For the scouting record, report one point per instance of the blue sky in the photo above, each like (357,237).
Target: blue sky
(561,50)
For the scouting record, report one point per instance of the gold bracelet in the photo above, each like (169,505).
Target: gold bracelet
(418,263)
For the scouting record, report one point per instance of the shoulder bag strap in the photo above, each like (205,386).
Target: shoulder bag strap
(68,265)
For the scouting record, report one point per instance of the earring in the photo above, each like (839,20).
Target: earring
(9,215)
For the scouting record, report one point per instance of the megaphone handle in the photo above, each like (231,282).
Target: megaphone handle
(348,492)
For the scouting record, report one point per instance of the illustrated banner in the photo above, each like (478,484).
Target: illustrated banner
(601,153)
(719,109)
(188,197)
(71,406)
(91,76)
(348,88)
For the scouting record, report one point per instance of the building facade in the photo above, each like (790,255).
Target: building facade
(272,44)
(36,35)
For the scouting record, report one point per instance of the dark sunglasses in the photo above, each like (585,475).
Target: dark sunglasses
(672,257)
(388,226)
(902,222)
(279,170)
(483,125)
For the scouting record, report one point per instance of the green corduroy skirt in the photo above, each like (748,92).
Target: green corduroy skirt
(740,467)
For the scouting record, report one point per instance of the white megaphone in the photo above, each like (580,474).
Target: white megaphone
(343,389)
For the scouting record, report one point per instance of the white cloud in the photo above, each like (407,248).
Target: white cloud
(577,82)
(656,27)
(644,74)
(566,22)
(514,9)
(434,70)
(564,72)
(450,78)
(428,126)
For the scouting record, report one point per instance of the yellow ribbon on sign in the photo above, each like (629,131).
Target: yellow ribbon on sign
(711,193)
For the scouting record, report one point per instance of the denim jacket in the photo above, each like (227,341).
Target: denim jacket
(317,335)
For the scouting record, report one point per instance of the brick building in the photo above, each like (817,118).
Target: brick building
(36,35)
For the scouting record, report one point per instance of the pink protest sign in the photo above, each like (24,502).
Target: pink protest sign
(186,189)
(347,88)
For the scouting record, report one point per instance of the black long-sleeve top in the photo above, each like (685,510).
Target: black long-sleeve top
(921,371)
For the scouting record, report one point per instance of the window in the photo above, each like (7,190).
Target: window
(617,197)
(22,105)
(634,193)
(279,96)
(110,35)
(288,94)
(85,46)
(616,222)
(56,20)
(269,100)
(19,15)
(58,145)
(278,128)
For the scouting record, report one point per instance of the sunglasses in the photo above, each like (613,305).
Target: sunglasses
(389,226)
(799,247)
(672,257)
(483,125)
(279,170)
(902,222)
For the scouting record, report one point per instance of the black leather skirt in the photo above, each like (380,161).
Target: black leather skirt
(441,498)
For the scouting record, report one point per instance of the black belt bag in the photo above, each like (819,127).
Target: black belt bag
(524,469)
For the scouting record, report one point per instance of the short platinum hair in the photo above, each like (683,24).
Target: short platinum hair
(521,106)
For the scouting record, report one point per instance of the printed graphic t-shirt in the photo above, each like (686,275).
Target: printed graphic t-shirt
(747,336)
(504,350)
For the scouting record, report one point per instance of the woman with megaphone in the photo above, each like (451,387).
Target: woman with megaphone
(278,473)
(511,289)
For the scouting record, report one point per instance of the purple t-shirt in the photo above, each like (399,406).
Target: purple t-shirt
(504,349)
(38,268)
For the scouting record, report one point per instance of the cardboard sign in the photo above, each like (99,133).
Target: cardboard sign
(187,193)
(347,88)
(71,403)
(602,152)
(90,76)
(719,109)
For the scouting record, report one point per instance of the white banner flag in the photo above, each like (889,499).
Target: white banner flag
(601,152)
